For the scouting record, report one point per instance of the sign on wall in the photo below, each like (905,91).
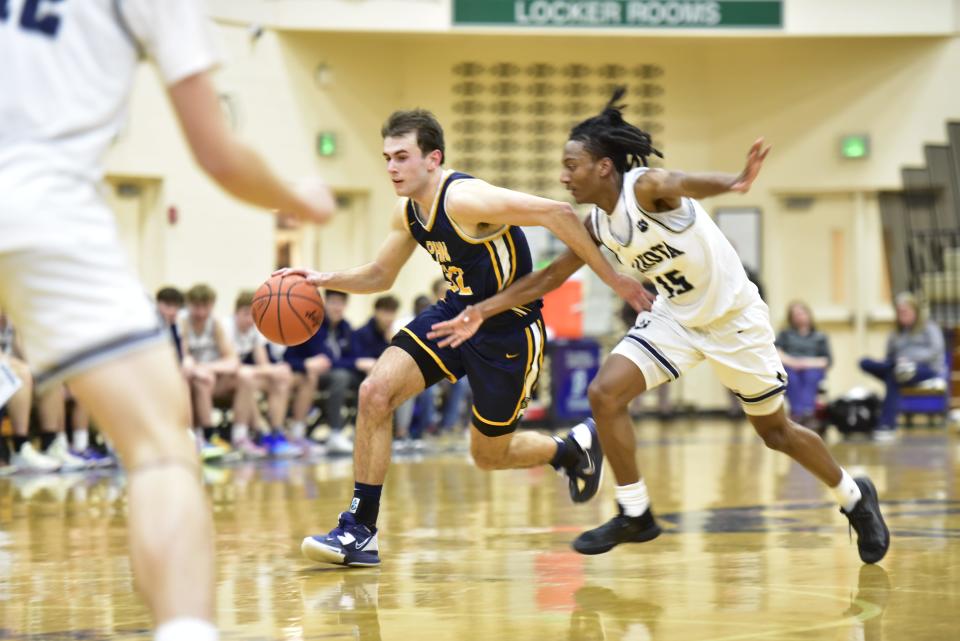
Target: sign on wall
(686,14)
(743,227)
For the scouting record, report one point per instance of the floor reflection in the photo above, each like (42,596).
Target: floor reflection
(752,549)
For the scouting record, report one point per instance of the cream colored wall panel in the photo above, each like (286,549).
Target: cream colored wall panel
(338,15)
(870,17)
(808,257)
(804,95)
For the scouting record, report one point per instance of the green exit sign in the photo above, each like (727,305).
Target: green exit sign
(855,146)
(326,143)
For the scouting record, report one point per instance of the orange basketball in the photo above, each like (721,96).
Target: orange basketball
(287,310)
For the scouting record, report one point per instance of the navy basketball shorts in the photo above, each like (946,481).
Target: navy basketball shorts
(502,365)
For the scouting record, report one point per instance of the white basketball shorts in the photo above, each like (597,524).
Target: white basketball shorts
(739,347)
(75,302)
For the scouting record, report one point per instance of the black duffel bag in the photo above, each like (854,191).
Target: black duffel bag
(857,411)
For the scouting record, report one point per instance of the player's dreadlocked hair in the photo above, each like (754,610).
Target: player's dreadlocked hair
(608,135)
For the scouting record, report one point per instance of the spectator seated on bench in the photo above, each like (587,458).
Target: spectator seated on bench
(915,355)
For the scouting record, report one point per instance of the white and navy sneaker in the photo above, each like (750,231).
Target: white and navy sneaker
(350,543)
(586,475)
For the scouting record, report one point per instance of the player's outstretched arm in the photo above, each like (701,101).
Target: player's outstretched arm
(661,184)
(238,169)
(477,202)
(376,276)
(534,285)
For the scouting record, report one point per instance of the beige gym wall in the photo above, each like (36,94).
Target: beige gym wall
(720,94)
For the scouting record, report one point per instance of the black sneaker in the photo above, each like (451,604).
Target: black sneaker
(873,537)
(619,529)
(586,475)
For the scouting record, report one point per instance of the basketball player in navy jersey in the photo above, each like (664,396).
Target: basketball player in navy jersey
(469,227)
(706,309)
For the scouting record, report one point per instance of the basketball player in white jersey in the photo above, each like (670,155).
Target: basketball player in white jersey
(68,69)
(705,309)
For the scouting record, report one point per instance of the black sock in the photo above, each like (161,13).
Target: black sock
(19,442)
(568,453)
(47,439)
(366,503)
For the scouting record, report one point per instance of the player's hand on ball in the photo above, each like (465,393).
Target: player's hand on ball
(755,158)
(317,279)
(456,331)
(634,293)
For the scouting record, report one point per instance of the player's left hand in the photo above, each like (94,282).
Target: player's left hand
(755,158)
(456,331)
(634,293)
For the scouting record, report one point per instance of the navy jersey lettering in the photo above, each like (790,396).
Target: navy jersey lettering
(35,16)
(475,268)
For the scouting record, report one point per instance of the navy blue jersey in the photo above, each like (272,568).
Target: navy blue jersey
(475,268)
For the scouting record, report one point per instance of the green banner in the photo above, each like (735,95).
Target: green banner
(657,14)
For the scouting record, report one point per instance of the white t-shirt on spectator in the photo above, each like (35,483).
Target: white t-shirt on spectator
(244,342)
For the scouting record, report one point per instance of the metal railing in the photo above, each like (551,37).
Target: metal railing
(933,262)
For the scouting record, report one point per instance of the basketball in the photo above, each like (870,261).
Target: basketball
(287,310)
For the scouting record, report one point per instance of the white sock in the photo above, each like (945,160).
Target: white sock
(187,630)
(633,498)
(60,440)
(81,440)
(847,491)
(240,433)
(298,430)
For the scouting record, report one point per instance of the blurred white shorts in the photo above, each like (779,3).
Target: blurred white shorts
(75,303)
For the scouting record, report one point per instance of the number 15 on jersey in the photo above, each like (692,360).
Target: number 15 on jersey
(674,283)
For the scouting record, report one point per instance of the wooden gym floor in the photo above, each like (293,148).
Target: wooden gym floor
(753,549)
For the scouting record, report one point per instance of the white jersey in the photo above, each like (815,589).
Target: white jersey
(68,69)
(202,345)
(243,342)
(697,272)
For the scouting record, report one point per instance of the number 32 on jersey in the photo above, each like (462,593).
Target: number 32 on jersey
(454,276)
(37,16)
